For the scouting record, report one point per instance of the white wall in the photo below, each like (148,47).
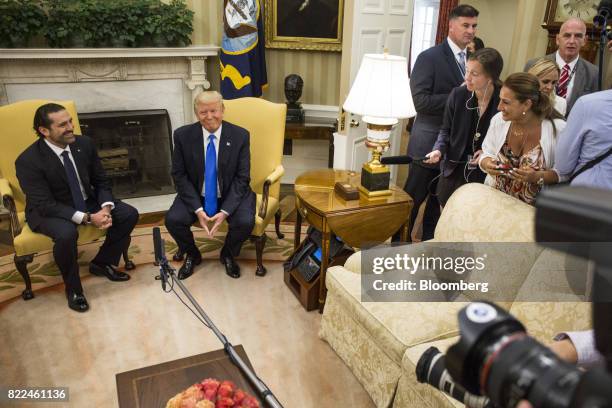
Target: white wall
(496,24)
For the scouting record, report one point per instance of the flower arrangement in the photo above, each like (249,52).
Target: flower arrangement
(212,393)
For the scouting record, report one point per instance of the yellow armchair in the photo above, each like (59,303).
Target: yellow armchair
(16,134)
(265,122)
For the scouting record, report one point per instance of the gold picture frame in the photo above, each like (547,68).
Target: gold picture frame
(304,24)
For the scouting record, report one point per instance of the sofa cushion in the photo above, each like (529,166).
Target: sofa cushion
(395,326)
(469,216)
(556,277)
(544,320)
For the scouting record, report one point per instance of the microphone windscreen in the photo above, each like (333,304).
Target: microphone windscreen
(158,245)
(396,160)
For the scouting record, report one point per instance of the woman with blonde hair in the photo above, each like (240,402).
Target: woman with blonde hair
(518,153)
(548,73)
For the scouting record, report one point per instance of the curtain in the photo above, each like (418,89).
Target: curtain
(445,8)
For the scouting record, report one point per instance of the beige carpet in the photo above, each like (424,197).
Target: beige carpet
(134,324)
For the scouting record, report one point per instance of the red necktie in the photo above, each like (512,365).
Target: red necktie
(563,81)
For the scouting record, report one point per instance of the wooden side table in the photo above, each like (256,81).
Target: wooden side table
(153,386)
(356,222)
(313,129)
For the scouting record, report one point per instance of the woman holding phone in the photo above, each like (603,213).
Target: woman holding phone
(518,153)
(468,112)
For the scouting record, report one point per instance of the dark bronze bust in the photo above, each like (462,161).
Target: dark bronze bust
(293,91)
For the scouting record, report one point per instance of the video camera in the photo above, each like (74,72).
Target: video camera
(495,363)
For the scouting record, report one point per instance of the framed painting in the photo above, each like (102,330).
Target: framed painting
(304,24)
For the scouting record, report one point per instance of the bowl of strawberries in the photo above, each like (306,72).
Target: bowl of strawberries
(212,393)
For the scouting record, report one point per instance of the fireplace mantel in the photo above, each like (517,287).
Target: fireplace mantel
(33,66)
(93,53)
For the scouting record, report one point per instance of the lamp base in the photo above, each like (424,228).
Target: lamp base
(375,181)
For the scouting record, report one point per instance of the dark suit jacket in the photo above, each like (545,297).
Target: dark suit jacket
(585,78)
(459,126)
(233,165)
(434,75)
(43,179)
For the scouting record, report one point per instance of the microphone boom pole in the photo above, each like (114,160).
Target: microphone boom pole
(165,271)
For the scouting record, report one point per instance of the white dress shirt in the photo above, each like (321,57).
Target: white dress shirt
(572,65)
(77,217)
(205,135)
(560,104)
(584,343)
(456,50)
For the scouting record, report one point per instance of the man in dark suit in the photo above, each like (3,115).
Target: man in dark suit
(65,186)
(578,76)
(436,72)
(211,168)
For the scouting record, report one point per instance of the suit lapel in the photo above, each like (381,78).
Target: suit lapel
(51,160)
(225,146)
(198,152)
(452,62)
(579,82)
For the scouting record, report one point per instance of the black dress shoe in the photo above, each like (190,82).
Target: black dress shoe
(188,266)
(109,271)
(77,302)
(231,267)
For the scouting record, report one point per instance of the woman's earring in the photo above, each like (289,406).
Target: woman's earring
(524,113)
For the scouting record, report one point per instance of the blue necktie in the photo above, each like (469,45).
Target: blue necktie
(73,182)
(210,178)
(462,62)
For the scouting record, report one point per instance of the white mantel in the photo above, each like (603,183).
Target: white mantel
(131,78)
(79,53)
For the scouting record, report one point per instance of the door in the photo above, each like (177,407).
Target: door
(375,25)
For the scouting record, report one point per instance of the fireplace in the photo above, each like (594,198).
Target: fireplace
(135,148)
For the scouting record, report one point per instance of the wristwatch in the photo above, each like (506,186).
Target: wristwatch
(86,219)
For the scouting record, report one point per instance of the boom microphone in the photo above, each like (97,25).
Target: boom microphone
(604,13)
(396,160)
(160,256)
(158,246)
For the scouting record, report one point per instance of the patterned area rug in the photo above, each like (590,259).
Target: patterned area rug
(44,272)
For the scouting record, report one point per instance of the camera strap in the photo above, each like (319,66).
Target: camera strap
(590,164)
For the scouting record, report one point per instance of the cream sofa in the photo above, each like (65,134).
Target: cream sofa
(382,342)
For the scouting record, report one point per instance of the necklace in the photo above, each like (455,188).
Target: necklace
(520,134)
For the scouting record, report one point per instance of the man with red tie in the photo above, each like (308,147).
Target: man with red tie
(578,76)
(211,167)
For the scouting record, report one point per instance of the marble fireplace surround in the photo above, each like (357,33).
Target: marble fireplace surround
(105,79)
(111,79)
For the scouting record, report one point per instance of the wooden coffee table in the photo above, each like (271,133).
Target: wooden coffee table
(357,222)
(153,386)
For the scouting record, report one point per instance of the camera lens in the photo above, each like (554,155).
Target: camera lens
(431,369)
(522,368)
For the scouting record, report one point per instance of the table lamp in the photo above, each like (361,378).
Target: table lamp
(381,95)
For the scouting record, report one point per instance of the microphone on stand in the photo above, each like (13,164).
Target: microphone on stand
(404,159)
(166,272)
(160,256)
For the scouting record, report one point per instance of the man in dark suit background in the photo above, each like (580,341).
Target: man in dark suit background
(436,72)
(211,168)
(578,76)
(65,186)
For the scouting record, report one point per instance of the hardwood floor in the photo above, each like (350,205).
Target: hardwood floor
(134,324)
